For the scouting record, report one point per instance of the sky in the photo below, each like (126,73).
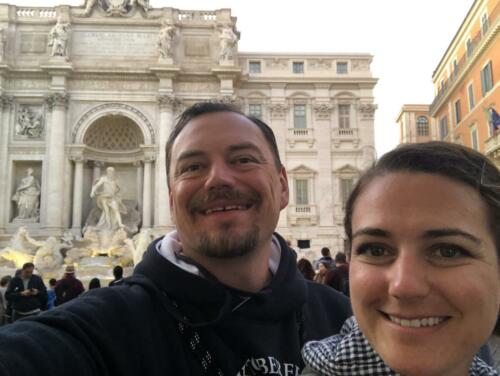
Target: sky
(406,37)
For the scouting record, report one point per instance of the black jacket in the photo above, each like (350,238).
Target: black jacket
(148,325)
(27,303)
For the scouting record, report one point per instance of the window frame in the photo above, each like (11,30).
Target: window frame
(343,64)
(296,64)
(252,105)
(254,63)
(470,96)
(457,108)
(474,141)
(297,123)
(301,191)
(344,117)
(422,128)
(443,127)
(486,78)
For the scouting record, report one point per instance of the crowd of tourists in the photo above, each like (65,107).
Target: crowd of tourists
(25,294)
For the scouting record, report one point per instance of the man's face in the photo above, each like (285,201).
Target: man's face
(226,192)
(27,273)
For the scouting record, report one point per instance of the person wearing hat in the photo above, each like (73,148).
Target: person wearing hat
(68,287)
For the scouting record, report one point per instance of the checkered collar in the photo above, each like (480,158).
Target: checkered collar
(349,353)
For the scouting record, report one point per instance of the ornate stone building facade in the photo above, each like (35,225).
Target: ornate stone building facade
(84,88)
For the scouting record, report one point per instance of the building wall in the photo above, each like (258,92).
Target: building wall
(451,84)
(113,69)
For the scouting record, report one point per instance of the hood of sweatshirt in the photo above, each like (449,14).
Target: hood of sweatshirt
(208,301)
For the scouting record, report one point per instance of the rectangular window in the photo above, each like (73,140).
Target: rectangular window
(344,115)
(470,94)
(473,138)
(443,127)
(255,110)
(254,67)
(486,79)
(346,186)
(455,67)
(341,67)
(484,23)
(299,116)
(301,192)
(469,47)
(298,67)
(304,243)
(458,112)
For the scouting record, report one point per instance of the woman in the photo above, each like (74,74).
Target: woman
(322,271)
(424,228)
(306,269)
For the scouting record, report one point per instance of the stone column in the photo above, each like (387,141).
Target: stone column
(146,198)
(167,104)
(77,195)
(96,172)
(6,104)
(139,182)
(58,103)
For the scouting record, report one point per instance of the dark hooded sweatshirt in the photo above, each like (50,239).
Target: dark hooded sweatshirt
(166,321)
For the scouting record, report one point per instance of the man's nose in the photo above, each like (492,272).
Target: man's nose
(408,277)
(220,174)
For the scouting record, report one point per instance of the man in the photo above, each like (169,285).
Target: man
(220,296)
(338,276)
(325,258)
(118,274)
(68,287)
(26,293)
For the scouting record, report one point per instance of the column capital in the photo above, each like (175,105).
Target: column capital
(57,99)
(322,110)
(367,110)
(168,102)
(278,109)
(6,100)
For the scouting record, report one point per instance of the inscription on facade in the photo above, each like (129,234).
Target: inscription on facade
(33,43)
(196,47)
(107,43)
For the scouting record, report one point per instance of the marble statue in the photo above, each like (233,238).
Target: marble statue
(165,40)
(139,244)
(89,4)
(29,123)
(58,38)
(21,249)
(144,4)
(48,257)
(27,197)
(227,44)
(106,191)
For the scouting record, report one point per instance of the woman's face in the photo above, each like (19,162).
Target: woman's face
(424,275)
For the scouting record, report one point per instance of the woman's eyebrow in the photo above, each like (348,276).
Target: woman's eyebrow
(372,231)
(441,232)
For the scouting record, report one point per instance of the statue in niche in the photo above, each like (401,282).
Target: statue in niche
(58,38)
(165,40)
(227,44)
(29,123)
(116,7)
(106,191)
(27,198)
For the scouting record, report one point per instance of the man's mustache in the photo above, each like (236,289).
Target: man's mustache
(223,194)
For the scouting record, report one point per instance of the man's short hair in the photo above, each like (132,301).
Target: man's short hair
(202,108)
(118,271)
(28,265)
(325,251)
(340,257)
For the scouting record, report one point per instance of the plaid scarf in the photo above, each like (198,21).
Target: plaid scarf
(349,353)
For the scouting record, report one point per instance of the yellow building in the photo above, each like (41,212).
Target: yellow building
(466,82)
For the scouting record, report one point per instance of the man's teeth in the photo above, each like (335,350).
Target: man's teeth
(225,208)
(416,323)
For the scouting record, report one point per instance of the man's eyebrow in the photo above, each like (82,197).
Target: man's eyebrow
(372,231)
(190,154)
(441,232)
(246,145)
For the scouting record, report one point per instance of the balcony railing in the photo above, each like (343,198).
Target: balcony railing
(345,133)
(300,214)
(300,132)
(462,63)
(492,146)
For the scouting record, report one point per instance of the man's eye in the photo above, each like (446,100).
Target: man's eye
(244,160)
(191,168)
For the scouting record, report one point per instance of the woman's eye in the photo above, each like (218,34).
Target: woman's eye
(449,251)
(372,250)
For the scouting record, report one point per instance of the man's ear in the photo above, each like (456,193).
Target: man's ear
(285,194)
